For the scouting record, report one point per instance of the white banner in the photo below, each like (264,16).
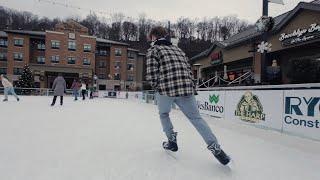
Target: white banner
(211,103)
(135,95)
(104,94)
(258,108)
(302,113)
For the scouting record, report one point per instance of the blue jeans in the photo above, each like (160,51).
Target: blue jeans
(75,94)
(189,107)
(9,90)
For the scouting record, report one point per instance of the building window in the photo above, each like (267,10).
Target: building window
(102,76)
(18,56)
(3,70)
(87,47)
(41,60)
(18,42)
(55,59)
(131,55)
(17,71)
(130,77)
(3,43)
(3,56)
(102,87)
(102,64)
(118,52)
(117,65)
(86,61)
(116,76)
(130,67)
(55,44)
(71,60)
(41,46)
(71,45)
(102,52)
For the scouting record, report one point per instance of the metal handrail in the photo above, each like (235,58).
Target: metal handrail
(204,84)
(240,78)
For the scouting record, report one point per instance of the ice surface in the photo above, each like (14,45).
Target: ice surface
(111,139)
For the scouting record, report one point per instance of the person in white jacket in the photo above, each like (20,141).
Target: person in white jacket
(83,90)
(8,88)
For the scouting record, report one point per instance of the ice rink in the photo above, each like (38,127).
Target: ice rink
(111,139)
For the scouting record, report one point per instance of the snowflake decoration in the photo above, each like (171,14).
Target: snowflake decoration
(264,46)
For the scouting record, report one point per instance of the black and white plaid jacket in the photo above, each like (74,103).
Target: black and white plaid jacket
(168,70)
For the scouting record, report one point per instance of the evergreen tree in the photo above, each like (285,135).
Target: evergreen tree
(26,80)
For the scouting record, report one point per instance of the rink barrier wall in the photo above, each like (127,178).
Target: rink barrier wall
(290,111)
(294,110)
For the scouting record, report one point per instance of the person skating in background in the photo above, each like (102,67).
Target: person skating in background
(83,90)
(59,87)
(170,75)
(91,89)
(8,88)
(75,88)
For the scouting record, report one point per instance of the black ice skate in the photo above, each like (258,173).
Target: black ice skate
(5,100)
(171,144)
(221,156)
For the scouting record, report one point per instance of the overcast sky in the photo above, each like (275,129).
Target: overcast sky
(161,10)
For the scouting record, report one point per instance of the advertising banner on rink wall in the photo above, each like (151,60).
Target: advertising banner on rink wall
(258,108)
(302,113)
(211,103)
(135,95)
(107,94)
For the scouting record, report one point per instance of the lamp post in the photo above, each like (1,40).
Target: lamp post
(95,78)
(198,72)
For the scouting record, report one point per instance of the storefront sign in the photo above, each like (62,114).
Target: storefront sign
(211,103)
(216,58)
(302,113)
(301,35)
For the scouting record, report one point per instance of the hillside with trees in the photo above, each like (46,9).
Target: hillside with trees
(195,35)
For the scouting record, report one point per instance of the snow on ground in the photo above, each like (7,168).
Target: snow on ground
(111,139)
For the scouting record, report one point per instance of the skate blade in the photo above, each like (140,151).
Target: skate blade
(171,154)
(231,164)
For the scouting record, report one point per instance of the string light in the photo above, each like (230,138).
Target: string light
(66,5)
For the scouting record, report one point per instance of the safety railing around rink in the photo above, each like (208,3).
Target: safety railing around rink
(35,91)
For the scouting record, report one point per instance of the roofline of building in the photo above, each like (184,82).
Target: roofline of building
(25,32)
(131,49)
(290,14)
(284,22)
(43,34)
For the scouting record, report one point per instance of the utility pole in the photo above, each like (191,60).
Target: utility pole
(264,38)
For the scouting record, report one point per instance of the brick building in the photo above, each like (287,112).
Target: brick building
(70,50)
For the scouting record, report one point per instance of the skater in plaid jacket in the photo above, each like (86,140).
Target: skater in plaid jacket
(168,70)
(170,75)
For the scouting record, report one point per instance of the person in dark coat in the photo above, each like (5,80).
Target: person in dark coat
(75,87)
(59,87)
